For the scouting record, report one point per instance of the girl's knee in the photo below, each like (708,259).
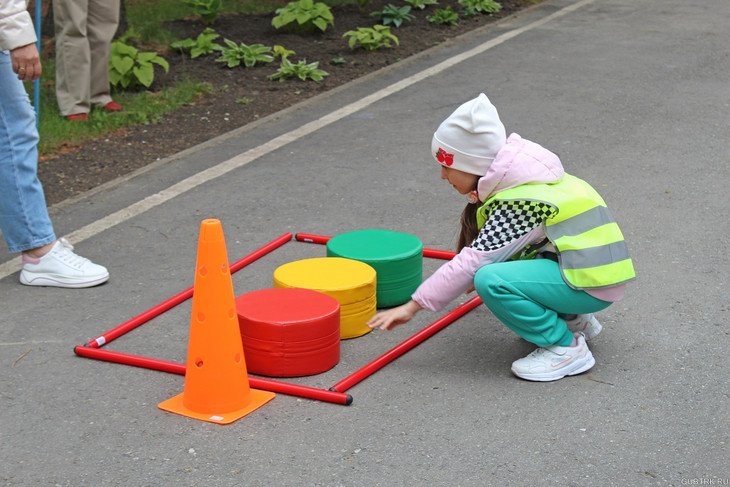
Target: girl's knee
(488,283)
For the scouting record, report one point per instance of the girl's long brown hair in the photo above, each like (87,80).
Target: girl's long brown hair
(469,228)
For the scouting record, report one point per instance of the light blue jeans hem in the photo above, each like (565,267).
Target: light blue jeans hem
(24,219)
(530,297)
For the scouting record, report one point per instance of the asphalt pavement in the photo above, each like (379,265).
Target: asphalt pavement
(635,98)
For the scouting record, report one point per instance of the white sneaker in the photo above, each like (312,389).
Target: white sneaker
(555,362)
(586,324)
(62,268)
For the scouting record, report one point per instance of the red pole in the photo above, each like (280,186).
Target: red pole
(257,254)
(407,345)
(323,239)
(311,238)
(181,297)
(439,254)
(176,368)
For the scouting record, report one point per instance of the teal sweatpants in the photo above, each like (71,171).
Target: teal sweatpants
(530,296)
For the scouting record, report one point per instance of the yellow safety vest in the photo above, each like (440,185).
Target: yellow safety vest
(591,249)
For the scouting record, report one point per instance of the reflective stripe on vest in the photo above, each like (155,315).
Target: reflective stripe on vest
(591,250)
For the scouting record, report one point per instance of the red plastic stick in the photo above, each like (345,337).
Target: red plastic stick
(311,238)
(323,239)
(176,368)
(439,254)
(407,345)
(181,297)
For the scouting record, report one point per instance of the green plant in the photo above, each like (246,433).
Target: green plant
(337,60)
(202,45)
(469,12)
(482,6)
(371,39)
(207,9)
(307,15)
(250,55)
(361,4)
(444,16)
(301,70)
(421,4)
(394,15)
(282,52)
(129,68)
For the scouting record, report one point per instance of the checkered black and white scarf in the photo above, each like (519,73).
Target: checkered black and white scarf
(508,221)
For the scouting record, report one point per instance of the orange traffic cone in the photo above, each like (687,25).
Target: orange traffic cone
(216,378)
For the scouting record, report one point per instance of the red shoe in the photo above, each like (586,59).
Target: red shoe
(112,107)
(78,117)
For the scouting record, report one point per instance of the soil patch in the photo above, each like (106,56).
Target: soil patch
(242,95)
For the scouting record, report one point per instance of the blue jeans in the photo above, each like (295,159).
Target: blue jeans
(531,297)
(24,217)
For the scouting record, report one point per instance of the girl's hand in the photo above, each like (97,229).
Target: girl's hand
(386,320)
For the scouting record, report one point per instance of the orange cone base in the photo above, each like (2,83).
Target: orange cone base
(257,399)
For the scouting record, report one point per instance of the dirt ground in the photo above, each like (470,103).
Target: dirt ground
(242,95)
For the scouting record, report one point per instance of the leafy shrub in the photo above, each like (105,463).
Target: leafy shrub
(307,15)
(394,15)
(371,39)
(301,70)
(482,6)
(469,12)
(361,4)
(202,45)
(421,4)
(250,55)
(207,9)
(282,52)
(129,68)
(444,16)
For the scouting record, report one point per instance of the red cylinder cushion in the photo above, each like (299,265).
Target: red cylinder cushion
(289,332)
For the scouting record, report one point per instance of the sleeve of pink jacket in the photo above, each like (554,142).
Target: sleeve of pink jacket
(456,276)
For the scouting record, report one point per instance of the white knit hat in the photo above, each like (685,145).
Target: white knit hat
(469,139)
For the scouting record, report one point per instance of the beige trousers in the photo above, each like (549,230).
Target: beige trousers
(84,31)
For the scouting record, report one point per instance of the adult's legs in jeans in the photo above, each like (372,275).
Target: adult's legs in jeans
(24,217)
(24,220)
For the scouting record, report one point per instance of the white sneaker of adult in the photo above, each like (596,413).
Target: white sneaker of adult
(555,362)
(61,267)
(586,324)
